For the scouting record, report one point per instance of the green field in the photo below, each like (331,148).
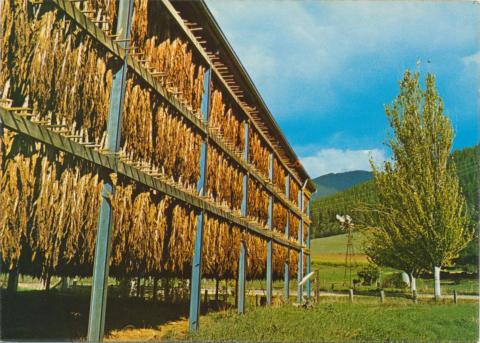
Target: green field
(336,244)
(328,256)
(338,321)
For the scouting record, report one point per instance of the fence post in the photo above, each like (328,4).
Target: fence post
(382,296)
(197,254)
(350,295)
(269,241)
(317,287)
(98,300)
(287,229)
(455,301)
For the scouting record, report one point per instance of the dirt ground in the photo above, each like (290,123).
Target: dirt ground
(161,332)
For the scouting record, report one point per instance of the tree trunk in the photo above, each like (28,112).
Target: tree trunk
(436,276)
(217,286)
(413,283)
(406,278)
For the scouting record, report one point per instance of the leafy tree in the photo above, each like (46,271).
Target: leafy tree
(420,220)
(350,200)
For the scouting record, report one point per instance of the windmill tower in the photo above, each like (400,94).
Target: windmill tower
(347,225)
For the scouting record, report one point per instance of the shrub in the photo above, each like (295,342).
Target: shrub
(394,281)
(369,274)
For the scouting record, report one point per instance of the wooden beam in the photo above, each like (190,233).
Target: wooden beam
(101,37)
(113,163)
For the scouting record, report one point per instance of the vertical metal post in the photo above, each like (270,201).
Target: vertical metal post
(269,241)
(244,209)
(98,300)
(1,131)
(242,263)
(195,290)
(308,286)
(287,229)
(300,253)
(12,282)
(241,278)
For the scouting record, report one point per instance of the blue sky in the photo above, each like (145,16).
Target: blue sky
(327,68)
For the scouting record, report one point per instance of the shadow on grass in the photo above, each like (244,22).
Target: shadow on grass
(40,315)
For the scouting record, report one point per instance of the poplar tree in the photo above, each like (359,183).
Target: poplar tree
(420,221)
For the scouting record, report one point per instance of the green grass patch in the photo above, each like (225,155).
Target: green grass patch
(338,321)
(336,244)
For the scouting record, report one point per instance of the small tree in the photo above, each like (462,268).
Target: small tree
(419,221)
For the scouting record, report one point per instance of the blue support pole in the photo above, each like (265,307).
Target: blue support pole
(242,263)
(244,209)
(287,229)
(242,277)
(269,242)
(308,286)
(300,253)
(195,290)
(98,300)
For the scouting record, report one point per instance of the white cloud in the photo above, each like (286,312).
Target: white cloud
(338,160)
(317,43)
(475,59)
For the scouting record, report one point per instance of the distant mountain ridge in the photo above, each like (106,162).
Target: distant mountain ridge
(325,208)
(332,183)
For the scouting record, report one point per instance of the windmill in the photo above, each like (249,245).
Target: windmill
(347,225)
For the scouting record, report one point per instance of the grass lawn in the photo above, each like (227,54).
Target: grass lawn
(338,321)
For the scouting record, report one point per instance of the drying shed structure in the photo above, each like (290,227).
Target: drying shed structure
(133,142)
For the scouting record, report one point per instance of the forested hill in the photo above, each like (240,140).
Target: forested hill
(335,182)
(324,209)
